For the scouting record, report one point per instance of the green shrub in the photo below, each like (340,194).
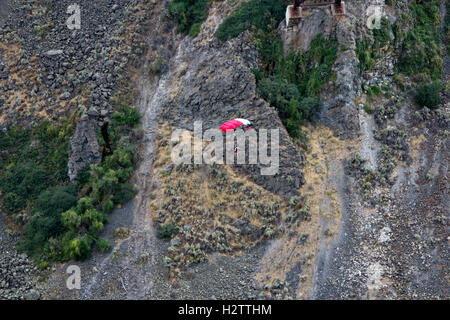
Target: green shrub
(390,2)
(310,108)
(382,36)
(76,248)
(12,202)
(25,180)
(32,179)
(368,50)
(365,55)
(108,206)
(71,220)
(428,95)
(294,118)
(105,182)
(270,49)
(315,66)
(83,177)
(94,221)
(167,231)
(188,14)
(46,221)
(43,265)
(307,70)
(42,30)
(367,109)
(37,159)
(125,192)
(103,245)
(421,51)
(278,93)
(255,14)
(126,115)
(373,91)
(195,29)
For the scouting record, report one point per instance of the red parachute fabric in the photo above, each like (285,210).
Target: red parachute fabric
(233,124)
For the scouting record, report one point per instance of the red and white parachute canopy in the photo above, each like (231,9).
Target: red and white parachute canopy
(233,124)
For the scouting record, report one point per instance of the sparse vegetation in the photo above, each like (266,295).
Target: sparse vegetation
(254,14)
(121,233)
(428,95)
(168,231)
(373,91)
(421,52)
(157,66)
(103,245)
(368,50)
(367,109)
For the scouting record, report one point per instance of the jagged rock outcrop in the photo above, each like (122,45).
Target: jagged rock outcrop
(212,83)
(84,146)
(299,36)
(340,111)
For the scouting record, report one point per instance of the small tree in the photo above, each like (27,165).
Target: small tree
(168,231)
(428,95)
(77,248)
(103,245)
(46,221)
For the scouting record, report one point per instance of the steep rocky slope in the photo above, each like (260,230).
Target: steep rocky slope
(49,72)
(361,214)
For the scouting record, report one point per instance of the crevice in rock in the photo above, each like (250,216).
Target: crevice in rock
(106,148)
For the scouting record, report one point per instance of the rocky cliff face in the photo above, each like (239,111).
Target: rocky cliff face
(360,243)
(339,111)
(213,83)
(49,72)
(84,146)
(361,214)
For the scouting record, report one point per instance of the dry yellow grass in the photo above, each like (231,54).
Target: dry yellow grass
(197,195)
(324,202)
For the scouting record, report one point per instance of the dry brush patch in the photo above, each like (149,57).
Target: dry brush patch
(213,208)
(296,250)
